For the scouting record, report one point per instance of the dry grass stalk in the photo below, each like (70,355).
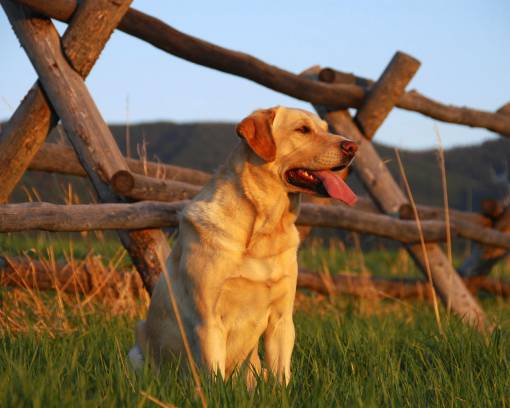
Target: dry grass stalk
(96,285)
(157,401)
(422,242)
(442,167)
(369,298)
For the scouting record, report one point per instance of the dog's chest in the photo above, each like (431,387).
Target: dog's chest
(258,286)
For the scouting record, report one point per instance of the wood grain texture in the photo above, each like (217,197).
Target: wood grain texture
(192,49)
(149,214)
(67,92)
(88,217)
(141,187)
(396,288)
(58,158)
(90,136)
(91,276)
(385,93)
(89,29)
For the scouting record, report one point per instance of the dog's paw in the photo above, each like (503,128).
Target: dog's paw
(136,358)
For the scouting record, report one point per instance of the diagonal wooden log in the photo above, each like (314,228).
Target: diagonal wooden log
(483,258)
(389,197)
(192,49)
(89,30)
(385,93)
(86,129)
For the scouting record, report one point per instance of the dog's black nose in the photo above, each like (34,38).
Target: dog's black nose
(348,147)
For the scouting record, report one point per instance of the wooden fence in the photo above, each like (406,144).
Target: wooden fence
(62,63)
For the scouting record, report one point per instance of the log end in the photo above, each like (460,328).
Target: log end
(491,208)
(405,212)
(123,181)
(403,59)
(327,75)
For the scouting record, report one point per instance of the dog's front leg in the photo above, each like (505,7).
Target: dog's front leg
(212,344)
(279,342)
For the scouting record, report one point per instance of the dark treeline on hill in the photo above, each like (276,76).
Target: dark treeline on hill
(204,145)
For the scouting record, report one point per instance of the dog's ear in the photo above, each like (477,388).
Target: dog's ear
(256,130)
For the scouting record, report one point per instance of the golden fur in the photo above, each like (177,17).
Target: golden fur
(234,264)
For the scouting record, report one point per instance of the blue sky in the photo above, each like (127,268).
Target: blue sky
(463,47)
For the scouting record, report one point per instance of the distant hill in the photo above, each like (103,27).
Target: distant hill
(204,145)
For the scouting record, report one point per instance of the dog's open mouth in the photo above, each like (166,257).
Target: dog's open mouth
(327,183)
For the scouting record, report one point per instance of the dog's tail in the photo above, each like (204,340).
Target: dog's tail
(136,356)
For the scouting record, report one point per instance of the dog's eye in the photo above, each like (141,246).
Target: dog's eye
(303,129)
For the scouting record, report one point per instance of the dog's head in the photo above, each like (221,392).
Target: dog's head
(299,150)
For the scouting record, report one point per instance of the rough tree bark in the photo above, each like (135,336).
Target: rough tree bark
(149,214)
(58,158)
(86,129)
(90,28)
(142,187)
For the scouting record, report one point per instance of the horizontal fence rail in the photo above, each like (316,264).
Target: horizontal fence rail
(148,214)
(167,38)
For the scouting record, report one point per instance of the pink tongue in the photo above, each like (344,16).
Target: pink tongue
(336,187)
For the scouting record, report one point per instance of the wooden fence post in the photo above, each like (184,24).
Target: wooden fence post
(86,129)
(389,197)
(21,138)
(385,93)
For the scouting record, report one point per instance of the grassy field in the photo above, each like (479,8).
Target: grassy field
(70,351)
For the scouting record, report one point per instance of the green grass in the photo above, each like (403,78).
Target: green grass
(38,244)
(342,358)
(348,352)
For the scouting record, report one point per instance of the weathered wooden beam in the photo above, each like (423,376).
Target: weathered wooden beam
(91,276)
(66,90)
(380,184)
(88,217)
(142,187)
(192,49)
(395,288)
(387,227)
(149,214)
(437,213)
(385,93)
(86,129)
(58,158)
(90,27)
(81,276)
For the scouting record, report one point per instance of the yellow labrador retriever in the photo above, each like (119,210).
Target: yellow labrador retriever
(234,266)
